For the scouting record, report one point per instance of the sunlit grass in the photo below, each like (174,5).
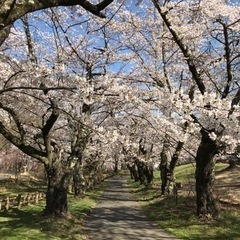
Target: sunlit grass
(185,172)
(180,218)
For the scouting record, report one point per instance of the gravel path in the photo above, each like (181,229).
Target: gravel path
(118,217)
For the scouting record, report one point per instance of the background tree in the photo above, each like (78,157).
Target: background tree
(173,15)
(37,123)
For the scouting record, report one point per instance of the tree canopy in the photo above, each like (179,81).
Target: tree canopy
(153,83)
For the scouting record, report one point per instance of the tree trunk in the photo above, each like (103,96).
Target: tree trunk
(171,184)
(56,196)
(116,163)
(94,174)
(133,172)
(140,170)
(164,169)
(205,163)
(148,172)
(79,182)
(145,170)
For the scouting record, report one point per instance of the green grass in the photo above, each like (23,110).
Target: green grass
(28,223)
(24,186)
(185,172)
(180,219)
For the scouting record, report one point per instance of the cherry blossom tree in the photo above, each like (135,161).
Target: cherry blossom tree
(79,93)
(204,42)
(191,50)
(53,92)
(64,97)
(151,61)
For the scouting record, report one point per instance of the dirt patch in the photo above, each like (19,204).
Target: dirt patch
(227,185)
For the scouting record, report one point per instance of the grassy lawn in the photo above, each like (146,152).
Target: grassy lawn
(28,223)
(180,218)
(23,186)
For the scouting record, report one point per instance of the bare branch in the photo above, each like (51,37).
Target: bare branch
(42,88)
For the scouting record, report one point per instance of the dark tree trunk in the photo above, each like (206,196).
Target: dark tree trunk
(164,169)
(79,182)
(79,185)
(205,164)
(145,170)
(163,173)
(148,172)
(140,170)
(95,174)
(56,196)
(133,172)
(116,163)
(171,184)
(145,173)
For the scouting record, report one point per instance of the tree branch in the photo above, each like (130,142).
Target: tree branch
(228,59)
(11,10)
(29,150)
(16,120)
(234,102)
(30,46)
(183,47)
(42,88)
(51,120)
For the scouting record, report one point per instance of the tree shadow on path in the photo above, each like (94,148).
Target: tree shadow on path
(119,217)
